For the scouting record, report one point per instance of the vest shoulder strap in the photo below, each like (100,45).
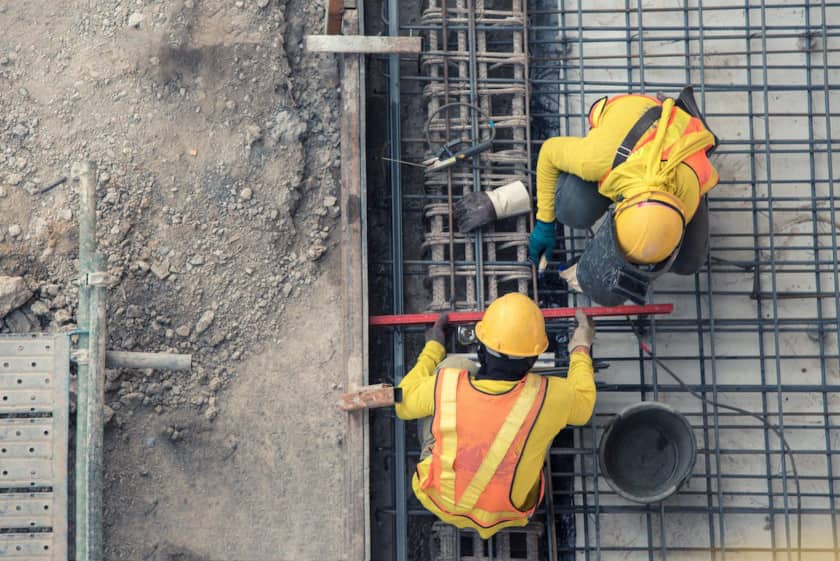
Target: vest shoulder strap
(647,120)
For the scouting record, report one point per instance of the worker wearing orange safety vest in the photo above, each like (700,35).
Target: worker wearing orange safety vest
(648,160)
(486,428)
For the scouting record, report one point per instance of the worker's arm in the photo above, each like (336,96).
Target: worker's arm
(418,386)
(587,158)
(581,382)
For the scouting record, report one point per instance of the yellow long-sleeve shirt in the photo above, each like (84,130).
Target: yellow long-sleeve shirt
(568,401)
(591,157)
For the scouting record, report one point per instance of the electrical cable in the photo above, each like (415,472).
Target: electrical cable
(490,122)
(760,418)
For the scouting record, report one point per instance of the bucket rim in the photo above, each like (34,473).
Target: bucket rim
(626,412)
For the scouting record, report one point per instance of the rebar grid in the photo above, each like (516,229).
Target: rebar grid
(758,327)
(471,43)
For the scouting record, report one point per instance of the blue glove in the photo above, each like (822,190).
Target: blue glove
(542,240)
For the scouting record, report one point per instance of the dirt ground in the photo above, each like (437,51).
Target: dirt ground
(216,139)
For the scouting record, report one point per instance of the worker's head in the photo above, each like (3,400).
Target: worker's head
(649,229)
(512,335)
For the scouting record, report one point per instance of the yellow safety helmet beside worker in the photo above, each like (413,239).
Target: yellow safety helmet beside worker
(513,325)
(649,227)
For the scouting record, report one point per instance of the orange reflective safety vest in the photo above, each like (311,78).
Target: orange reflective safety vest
(468,479)
(686,141)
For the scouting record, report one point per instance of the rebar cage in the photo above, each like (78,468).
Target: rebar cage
(757,328)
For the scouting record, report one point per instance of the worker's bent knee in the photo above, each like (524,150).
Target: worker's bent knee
(577,203)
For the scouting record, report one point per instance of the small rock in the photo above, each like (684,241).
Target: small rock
(13,294)
(15,230)
(17,322)
(161,269)
(142,266)
(2,193)
(62,316)
(215,384)
(252,134)
(261,4)
(315,252)
(216,338)
(135,19)
(14,179)
(20,130)
(40,308)
(211,413)
(65,214)
(183,331)
(197,260)
(330,201)
(246,194)
(132,400)
(108,413)
(204,322)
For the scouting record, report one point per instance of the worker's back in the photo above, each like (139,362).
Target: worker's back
(490,440)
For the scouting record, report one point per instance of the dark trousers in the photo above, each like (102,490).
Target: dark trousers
(578,204)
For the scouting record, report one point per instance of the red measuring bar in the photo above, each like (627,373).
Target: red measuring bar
(549,313)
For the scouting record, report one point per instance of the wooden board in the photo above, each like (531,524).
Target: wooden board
(354,297)
(333,17)
(362,44)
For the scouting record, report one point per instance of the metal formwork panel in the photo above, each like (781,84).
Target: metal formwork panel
(34,403)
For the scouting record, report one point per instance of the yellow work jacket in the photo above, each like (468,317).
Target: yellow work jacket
(591,157)
(568,401)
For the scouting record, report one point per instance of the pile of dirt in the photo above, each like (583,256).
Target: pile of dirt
(218,162)
(217,145)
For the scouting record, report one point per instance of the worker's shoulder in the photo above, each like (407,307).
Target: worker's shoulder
(557,388)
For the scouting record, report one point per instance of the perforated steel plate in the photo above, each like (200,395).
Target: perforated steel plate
(34,402)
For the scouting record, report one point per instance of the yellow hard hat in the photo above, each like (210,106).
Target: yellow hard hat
(513,325)
(648,230)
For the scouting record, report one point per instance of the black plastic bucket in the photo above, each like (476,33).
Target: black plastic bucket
(647,452)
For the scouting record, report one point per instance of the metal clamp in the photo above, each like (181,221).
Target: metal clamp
(97,278)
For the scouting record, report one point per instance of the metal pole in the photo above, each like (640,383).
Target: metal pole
(400,479)
(89,414)
(158,361)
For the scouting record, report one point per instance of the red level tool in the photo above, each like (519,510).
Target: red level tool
(549,313)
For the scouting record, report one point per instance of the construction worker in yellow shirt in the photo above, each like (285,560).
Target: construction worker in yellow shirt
(486,428)
(651,172)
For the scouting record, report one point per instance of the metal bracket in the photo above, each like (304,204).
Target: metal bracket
(79,356)
(98,278)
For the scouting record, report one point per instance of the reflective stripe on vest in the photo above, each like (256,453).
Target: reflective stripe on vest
(680,124)
(485,489)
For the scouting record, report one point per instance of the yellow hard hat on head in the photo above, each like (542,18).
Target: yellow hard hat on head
(648,231)
(513,325)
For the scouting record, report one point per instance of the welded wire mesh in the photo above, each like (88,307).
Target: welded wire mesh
(758,327)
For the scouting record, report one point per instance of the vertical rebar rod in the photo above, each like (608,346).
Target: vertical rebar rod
(91,376)
(472,46)
(398,343)
(775,305)
(835,526)
(757,259)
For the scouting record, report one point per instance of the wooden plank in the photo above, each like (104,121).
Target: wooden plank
(362,44)
(354,297)
(333,16)
(368,397)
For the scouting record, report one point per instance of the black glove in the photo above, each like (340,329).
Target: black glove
(473,211)
(436,332)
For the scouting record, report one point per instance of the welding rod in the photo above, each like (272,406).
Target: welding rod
(548,313)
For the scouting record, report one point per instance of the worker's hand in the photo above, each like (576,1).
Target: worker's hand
(542,240)
(473,211)
(584,333)
(436,332)
(570,276)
